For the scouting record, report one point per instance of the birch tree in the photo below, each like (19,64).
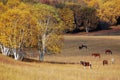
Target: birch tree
(49,28)
(85,17)
(16,27)
(3,9)
(89,18)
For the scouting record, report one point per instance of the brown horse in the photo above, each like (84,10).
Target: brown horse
(105,62)
(96,55)
(85,64)
(83,46)
(108,52)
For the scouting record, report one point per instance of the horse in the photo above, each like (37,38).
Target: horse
(96,55)
(86,64)
(83,46)
(108,52)
(105,62)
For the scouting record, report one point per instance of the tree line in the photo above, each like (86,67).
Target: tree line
(41,23)
(88,15)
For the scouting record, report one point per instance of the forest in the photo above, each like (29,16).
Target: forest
(41,24)
(86,15)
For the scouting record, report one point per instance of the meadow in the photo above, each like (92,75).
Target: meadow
(17,70)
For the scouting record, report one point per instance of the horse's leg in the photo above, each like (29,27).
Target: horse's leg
(84,67)
(111,52)
(89,66)
(105,52)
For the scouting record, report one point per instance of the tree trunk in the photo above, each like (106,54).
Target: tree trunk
(87,26)
(18,54)
(42,53)
(5,50)
(1,48)
(86,29)
(41,57)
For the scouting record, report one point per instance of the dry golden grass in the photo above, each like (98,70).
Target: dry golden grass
(45,71)
(16,70)
(96,44)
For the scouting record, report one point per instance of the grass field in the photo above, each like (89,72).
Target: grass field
(16,70)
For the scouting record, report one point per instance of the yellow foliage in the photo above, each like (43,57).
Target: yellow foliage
(67,17)
(17,26)
(54,43)
(109,11)
(3,8)
(13,3)
(93,3)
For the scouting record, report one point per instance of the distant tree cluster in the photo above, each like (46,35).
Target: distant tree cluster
(90,14)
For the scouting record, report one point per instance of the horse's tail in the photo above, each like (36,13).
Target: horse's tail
(90,65)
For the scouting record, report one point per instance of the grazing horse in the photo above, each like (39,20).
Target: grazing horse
(96,55)
(105,62)
(86,64)
(83,46)
(108,52)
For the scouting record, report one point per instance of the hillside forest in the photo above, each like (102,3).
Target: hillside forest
(41,24)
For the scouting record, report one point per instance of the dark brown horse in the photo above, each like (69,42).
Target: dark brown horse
(105,62)
(83,46)
(108,52)
(96,55)
(85,64)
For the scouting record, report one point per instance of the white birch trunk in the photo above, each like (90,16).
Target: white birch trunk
(43,48)
(18,55)
(5,50)
(44,36)
(87,29)
(86,26)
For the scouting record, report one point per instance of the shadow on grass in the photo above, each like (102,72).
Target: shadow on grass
(52,62)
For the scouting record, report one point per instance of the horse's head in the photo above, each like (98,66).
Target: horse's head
(82,62)
(80,47)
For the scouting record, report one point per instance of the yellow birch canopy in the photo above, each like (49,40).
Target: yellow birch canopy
(17,25)
(49,24)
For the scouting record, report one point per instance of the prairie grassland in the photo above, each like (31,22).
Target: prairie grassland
(16,70)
